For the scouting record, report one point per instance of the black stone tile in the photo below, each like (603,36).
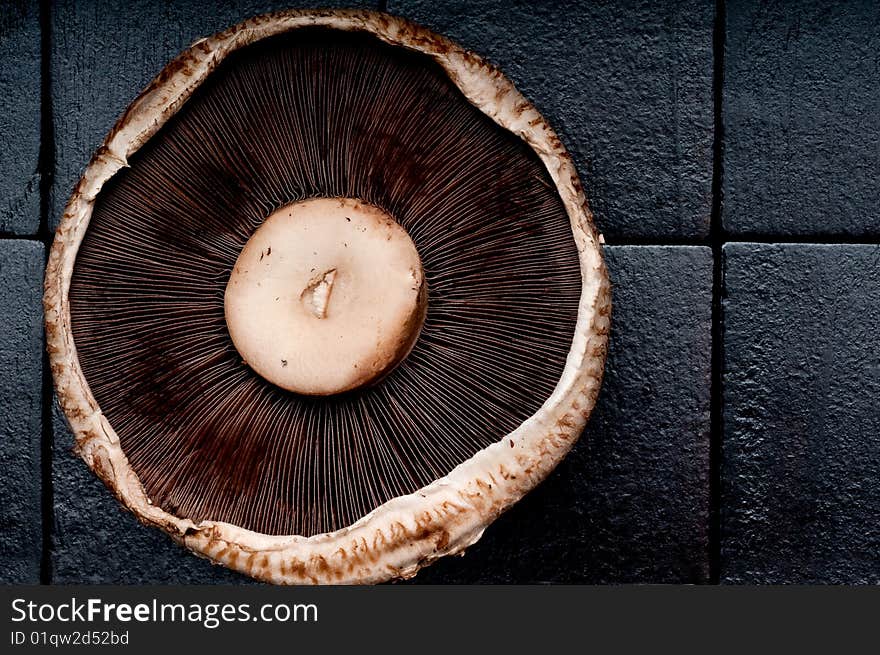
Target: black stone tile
(801,452)
(95,541)
(21,384)
(628,85)
(104,52)
(802,118)
(19,117)
(630,502)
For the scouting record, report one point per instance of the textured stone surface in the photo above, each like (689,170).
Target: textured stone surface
(630,502)
(802,118)
(95,541)
(628,85)
(105,52)
(21,382)
(801,454)
(19,117)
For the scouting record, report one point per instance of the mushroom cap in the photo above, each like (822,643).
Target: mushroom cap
(409,531)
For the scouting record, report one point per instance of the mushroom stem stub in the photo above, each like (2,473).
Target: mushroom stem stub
(327,295)
(316,296)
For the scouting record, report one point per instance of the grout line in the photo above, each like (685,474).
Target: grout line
(47,170)
(717,240)
(654,241)
(817,240)
(775,239)
(9,236)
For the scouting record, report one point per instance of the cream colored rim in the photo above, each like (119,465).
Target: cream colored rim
(408,532)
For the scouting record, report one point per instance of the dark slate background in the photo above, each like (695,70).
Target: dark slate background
(20,108)
(802,118)
(737,436)
(800,492)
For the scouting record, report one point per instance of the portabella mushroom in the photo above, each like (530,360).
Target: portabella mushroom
(328,300)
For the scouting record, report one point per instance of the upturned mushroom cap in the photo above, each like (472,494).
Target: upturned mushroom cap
(445,506)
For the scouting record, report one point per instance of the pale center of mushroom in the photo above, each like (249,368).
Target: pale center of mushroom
(327,295)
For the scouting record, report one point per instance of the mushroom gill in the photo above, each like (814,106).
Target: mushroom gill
(320,113)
